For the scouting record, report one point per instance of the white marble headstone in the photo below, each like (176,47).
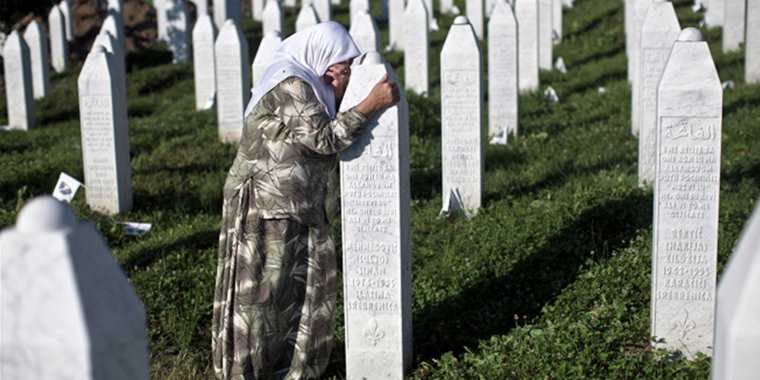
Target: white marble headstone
(19,91)
(272,21)
(364,33)
(687,188)
(306,17)
(733,25)
(358,6)
(36,39)
(502,74)
(81,319)
(225,10)
(105,135)
(526,12)
(59,47)
(264,55)
(658,34)
(474,11)
(447,7)
(161,18)
(114,24)
(323,8)
(752,44)
(640,9)
(545,34)
(432,22)
(204,65)
(115,48)
(628,25)
(461,116)
(257,9)
(116,5)
(737,339)
(289,3)
(416,47)
(557,20)
(68,19)
(233,82)
(396,24)
(375,189)
(715,12)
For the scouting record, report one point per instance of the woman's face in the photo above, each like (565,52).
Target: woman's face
(337,76)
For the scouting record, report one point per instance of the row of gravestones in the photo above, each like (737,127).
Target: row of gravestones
(677,110)
(96,307)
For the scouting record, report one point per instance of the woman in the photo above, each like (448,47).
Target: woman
(274,303)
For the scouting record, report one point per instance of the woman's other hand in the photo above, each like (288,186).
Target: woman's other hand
(385,94)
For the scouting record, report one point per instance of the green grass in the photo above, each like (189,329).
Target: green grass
(550,280)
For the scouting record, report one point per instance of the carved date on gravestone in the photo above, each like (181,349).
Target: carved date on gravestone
(97,131)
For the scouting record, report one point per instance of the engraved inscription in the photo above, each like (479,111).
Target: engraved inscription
(99,150)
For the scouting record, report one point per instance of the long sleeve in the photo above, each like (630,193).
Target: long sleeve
(309,123)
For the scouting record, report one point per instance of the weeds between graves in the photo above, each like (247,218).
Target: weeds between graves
(563,240)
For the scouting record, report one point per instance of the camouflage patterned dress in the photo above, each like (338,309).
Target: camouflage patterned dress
(274,302)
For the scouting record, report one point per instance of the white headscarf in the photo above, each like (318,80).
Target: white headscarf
(307,55)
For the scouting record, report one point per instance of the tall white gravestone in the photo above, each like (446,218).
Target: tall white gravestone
(115,48)
(105,135)
(640,9)
(114,24)
(324,9)
(67,309)
(447,7)
(36,39)
(396,24)
(545,33)
(268,45)
(225,10)
(715,12)
(687,188)
(161,18)
(658,34)
(375,189)
(59,48)
(306,17)
(752,44)
(628,25)
(272,21)
(461,117)
(364,33)
(416,47)
(204,64)
(19,93)
(358,6)
(289,3)
(502,74)
(737,339)
(68,20)
(233,82)
(733,25)
(557,20)
(474,10)
(526,12)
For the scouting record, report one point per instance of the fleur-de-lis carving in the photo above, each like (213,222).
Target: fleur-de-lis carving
(685,326)
(373,333)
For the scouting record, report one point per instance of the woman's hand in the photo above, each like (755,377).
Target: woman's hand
(385,94)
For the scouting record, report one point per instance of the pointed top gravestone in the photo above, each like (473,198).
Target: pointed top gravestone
(68,311)
(36,39)
(474,10)
(257,9)
(502,74)
(104,133)
(658,33)
(416,47)
(557,20)
(375,197)
(461,115)
(323,8)
(526,12)
(116,5)
(737,339)
(752,44)
(687,188)
(545,34)
(233,82)
(114,25)
(358,6)
(204,66)
(19,93)
(59,48)
(161,18)
(111,45)
(306,17)
(640,9)
(715,12)
(269,44)
(364,33)
(68,19)
(272,18)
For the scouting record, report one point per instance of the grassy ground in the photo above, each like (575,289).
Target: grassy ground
(550,280)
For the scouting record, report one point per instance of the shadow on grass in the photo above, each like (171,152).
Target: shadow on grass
(197,241)
(487,308)
(593,23)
